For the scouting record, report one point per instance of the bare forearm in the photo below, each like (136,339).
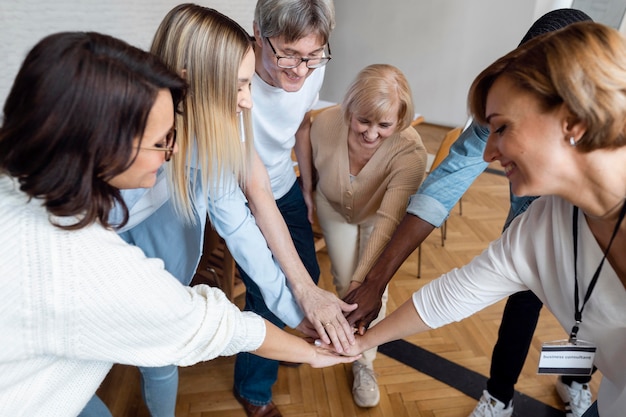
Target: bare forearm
(403,322)
(275,231)
(322,308)
(303,153)
(272,225)
(280,345)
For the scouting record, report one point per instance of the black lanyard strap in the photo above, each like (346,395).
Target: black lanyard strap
(578,312)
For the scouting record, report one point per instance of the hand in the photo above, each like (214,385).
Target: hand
(323,356)
(369,304)
(357,348)
(306,328)
(325,312)
(310,205)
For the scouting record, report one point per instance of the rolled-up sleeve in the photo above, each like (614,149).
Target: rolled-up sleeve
(446,184)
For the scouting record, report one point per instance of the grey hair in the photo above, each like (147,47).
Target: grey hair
(295,19)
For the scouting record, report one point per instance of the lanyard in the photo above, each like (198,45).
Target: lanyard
(578,313)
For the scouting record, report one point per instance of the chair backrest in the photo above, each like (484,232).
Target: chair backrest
(317,111)
(418,118)
(444,147)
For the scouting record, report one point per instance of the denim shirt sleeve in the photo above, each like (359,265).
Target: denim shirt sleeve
(155,227)
(234,222)
(444,186)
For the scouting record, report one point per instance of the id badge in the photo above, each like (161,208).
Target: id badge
(564,358)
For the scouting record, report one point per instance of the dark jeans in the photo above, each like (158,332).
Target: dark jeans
(519,321)
(254,376)
(592,411)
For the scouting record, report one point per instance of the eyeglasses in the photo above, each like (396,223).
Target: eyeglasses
(295,61)
(167,147)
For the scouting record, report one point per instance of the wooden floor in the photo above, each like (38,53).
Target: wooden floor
(205,389)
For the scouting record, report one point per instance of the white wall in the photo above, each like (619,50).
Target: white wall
(23,23)
(441,45)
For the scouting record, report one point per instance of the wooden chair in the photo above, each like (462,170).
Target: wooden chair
(217,266)
(440,155)
(418,118)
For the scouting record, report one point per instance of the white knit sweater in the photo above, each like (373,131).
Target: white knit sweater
(75,302)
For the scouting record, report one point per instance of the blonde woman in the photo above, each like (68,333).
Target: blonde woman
(214,54)
(368,160)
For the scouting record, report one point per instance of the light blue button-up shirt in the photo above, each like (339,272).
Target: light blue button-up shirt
(447,183)
(161,233)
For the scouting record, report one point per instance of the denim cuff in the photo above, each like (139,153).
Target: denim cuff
(427,209)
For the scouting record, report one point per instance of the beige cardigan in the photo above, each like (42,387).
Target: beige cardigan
(382,188)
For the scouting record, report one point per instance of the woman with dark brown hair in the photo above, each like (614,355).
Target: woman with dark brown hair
(89,115)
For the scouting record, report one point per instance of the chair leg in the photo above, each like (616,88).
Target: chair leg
(419,261)
(443,228)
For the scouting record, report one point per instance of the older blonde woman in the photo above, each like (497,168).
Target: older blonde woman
(368,160)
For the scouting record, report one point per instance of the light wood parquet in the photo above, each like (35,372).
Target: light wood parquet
(205,388)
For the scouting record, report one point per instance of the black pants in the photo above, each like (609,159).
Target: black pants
(519,321)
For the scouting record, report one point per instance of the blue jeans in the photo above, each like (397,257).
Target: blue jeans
(254,376)
(159,387)
(95,408)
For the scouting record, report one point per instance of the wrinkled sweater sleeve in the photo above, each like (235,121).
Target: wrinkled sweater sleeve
(94,297)
(407,163)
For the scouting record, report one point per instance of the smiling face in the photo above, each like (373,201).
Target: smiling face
(368,134)
(142,172)
(289,79)
(530,142)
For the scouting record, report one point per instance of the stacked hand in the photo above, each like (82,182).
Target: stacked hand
(326,355)
(325,318)
(369,303)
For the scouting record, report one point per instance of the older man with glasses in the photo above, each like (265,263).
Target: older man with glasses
(291,48)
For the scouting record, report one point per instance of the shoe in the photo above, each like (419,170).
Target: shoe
(267,410)
(364,388)
(489,406)
(577,397)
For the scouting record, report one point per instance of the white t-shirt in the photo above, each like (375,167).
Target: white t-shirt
(536,253)
(276,116)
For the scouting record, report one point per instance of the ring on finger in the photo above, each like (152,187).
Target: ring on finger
(327,324)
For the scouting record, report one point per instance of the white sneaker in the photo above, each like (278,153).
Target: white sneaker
(364,388)
(489,406)
(577,397)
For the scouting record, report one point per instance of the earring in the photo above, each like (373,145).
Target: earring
(572,141)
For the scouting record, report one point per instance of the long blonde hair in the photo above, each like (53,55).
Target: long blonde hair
(207,48)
